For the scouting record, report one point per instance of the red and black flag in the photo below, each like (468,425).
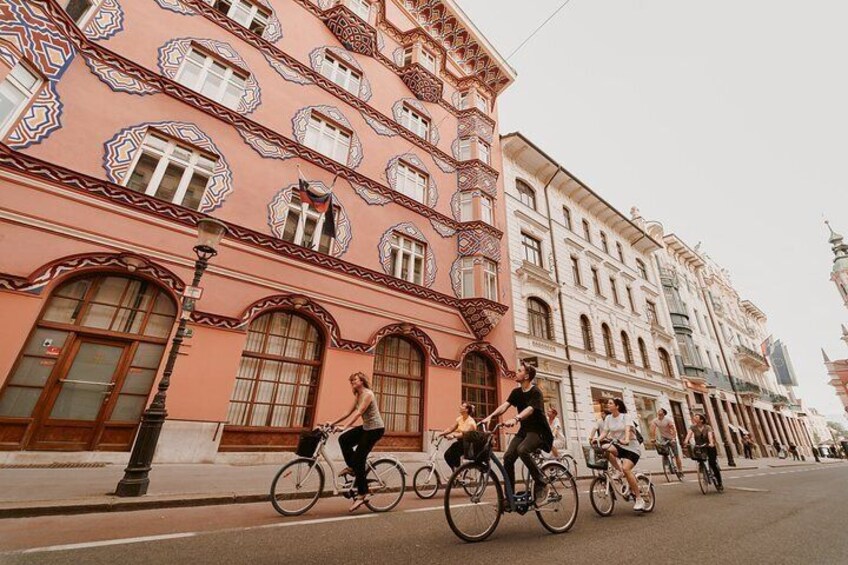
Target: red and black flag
(321,203)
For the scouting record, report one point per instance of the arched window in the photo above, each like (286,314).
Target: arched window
(479,383)
(586,327)
(276,384)
(609,347)
(625,345)
(539,318)
(665,362)
(399,386)
(526,194)
(643,353)
(83,377)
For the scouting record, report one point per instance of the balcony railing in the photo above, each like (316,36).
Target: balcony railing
(751,357)
(747,388)
(719,380)
(779,399)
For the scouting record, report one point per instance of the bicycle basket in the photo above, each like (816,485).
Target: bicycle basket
(663,449)
(308,443)
(477,446)
(699,453)
(596,458)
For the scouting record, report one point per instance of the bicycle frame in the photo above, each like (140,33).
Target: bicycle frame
(320,458)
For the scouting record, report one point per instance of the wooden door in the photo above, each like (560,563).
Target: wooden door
(73,414)
(679,422)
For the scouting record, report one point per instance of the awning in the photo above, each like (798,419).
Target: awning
(739,429)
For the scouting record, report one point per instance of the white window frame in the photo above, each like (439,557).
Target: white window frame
(86,15)
(465,148)
(466,278)
(484,152)
(255,13)
(348,78)
(482,104)
(490,280)
(411,182)
(228,79)
(28,93)
(166,156)
(463,100)
(487,209)
(320,129)
(427,60)
(306,213)
(413,250)
(466,206)
(415,122)
(361,8)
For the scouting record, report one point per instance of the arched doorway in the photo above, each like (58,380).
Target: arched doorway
(399,387)
(274,396)
(85,373)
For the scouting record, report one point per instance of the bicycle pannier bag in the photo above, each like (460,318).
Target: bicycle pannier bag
(308,443)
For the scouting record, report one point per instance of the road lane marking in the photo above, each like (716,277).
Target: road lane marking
(748,489)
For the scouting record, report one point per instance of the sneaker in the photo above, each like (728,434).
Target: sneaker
(640,504)
(540,493)
(358,501)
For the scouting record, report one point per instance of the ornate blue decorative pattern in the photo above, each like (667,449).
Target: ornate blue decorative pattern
(316,59)
(443,165)
(478,242)
(369,196)
(300,122)
(175,6)
(397,112)
(273,31)
(442,229)
(173,53)
(378,126)
(279,206)
(121,150)
(287,72)
(414,161)
(34,36)
(117,80)
(267,149)
(106,22)
(410,230)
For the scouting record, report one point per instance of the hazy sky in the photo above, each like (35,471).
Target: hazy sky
(724,120)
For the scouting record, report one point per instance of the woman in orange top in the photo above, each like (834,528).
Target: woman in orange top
(464,423)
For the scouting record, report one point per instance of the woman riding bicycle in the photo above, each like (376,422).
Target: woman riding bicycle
(703,435)
(624,452)
(464,423)
(356,443)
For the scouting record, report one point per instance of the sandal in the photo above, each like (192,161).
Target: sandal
(345,471)
(357,502)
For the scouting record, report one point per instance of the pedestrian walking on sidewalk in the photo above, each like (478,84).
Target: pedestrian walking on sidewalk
(778,449)
(357,442)
(556,430)
(747,444)
(464,423)
(703,434)
(793,450)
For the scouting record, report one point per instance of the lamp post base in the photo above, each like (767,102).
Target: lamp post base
(136,479)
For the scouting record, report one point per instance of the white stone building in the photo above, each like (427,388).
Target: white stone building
(718,338)
(587,301)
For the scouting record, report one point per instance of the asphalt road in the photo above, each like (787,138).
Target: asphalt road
(789,515)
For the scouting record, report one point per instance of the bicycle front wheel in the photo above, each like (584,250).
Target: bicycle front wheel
(559,510)
(297,487)
(473,502)
(601,496)
(425,482)
(667,469)
(386,484)
(703,479)
(646,490)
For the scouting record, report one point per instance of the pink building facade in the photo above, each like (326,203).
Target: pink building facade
(125,122)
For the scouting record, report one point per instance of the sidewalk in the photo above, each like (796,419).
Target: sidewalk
(52,491)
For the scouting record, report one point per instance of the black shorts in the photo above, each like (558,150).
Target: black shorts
(626,454)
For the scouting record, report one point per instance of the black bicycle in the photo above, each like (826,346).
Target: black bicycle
(706,477)
(666,448)
(475,498)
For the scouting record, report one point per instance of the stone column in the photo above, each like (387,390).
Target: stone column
(780,434)
(720,423)
(757,431)
(766,431)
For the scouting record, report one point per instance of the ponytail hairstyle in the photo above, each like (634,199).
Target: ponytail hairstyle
(620,405)
(470,409)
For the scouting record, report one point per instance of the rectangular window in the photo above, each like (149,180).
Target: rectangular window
(596,281)
(414,122)
(407,55)
(78,10)
(340,74)
(587,233)
(463,100)
(620,250)
(532,249)
(212,78)
(16,90)
(614,291)
(328,139)
(575,271)
(171,171)
(566,217)
(465,149)
(646,408)
(487,209)
(700,323)
(411,182)
(466,277)
(305,229)
(651,309)
(490,280)
(643,271)
(407,259)
(246,13)
(466,206)
(604,242)
(630,299)
(427,60)
(484,152)
(361,8)
(482,103)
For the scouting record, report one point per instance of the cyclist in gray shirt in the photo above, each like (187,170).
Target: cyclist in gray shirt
(624,451)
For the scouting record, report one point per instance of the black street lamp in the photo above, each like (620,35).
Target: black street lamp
(136,479)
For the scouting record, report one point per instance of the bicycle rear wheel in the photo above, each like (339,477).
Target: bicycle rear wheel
(703,478)
(473,502)
(425,482)
(570,464)
(386,484)
(559,511)
(646,490)
(601,496)
(297,487)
